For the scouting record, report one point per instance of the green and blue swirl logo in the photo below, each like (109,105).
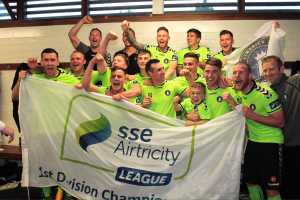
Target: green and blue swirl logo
(93,132)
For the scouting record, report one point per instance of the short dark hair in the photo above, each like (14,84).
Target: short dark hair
(196,31)
(144,51)
(162,28)
(116,68)
(150,63)
(191,55)
(123,55)
(214,62)
(76,51)
(96,29)
(224,32)
(273,58)
(49,50)
(245,64)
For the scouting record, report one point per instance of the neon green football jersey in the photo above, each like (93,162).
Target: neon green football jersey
(104,78)
(164,57)
(214,99)
(202,108)
(63,77)
(162,96)
(203,52)
(263,101)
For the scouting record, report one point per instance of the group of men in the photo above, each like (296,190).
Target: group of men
(189,84)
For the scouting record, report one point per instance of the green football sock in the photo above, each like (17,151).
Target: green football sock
(277,197)
(255,192)
(46,192)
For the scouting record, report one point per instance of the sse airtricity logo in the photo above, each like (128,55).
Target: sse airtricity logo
(93,132)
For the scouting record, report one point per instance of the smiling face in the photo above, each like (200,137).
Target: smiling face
(190,64)
(226,42)
(117,80)
(241,77)
(77,62)
(192,39)
(272,72)
(212,75)
(162,39)
(95,38)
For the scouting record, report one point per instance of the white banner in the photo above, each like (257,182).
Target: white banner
(97,148)
(267,40)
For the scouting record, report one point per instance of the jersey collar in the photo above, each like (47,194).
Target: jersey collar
(252,88)
(190,49)
(167,49)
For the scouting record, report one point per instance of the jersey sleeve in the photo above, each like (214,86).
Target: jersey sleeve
(179,88)
(186,106)
(83,48)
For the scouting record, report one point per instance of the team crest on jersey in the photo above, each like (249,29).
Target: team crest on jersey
(253,53)
(219,99)
(167,92)
(166,60)
(252,107)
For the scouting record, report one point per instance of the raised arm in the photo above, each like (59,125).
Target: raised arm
(86,81)
(75,29)
(33,65)
(104,43)
(171,70)
(129,34)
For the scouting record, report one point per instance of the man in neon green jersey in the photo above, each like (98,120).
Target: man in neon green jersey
(161,51)
(49,64)
(265,118)
(193,40)
(214,93)
(226,42)
(77,63)
(142,59)
(191,69)
(157,93)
